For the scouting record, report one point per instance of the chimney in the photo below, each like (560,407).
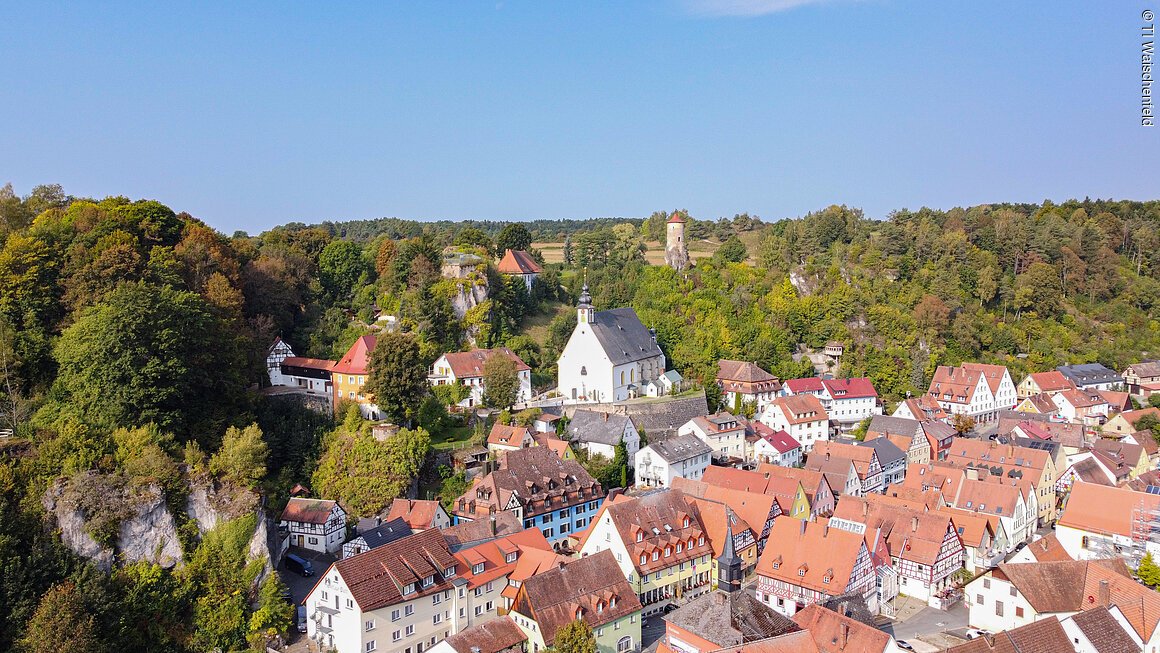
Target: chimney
(914,524)
(606,417)
(491,524)
(802,528)
(1105,593)
(827,456)
(972,474)
(843,635)
(865,508)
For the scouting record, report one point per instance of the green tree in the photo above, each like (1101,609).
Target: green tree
(575,637)
(341,265)
(1149,571)
(150,354)
(514,236)
(1154,400)
(242,456)
(732,250)
(274,615)
(1148,423)
(501,384)
(61,623)
(398,376)
(365,474)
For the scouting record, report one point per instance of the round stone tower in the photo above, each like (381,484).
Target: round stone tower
(676,253)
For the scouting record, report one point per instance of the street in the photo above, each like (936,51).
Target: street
(927,629)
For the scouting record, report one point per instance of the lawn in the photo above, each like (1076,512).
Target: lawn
(451,438)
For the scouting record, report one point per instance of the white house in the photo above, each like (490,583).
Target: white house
(609,357)
(801,416)
(1091,376)
(373,538)
(1083,406)
(314,524)
(518,263)
(680,455)
(847,401)
(278,352)
(466,367)
(742,382)
(774,447)
(600,433)
(963,391)
(723,432)
(1101,521)
(310,375)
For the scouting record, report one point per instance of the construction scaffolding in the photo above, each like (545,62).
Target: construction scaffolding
(1144,536)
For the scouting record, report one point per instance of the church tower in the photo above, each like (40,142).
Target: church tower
(676,253)
(728,563)
(584,311)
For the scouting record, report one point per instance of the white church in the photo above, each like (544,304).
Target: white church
(611,356)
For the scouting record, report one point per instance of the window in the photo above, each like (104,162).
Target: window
(394,615)
(1013,591)
(324,595)
(624,645)
(801,572)
(979,599)
(478,610)
(429,581)
(490,586)
(349,604)
(370,625)
(477,591)
(408,610)
(655,555)
(564,514)
(407,589)
(370,646)
(511,557)
(410,630)
(1018,611)
(436,599)
(987,583)
(438,618)
(312,540)
(998,608)
(396,636)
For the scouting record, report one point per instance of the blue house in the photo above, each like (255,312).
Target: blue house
(557,496)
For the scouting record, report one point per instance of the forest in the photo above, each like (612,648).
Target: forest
(133,340)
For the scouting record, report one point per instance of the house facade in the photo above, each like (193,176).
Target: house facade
(1047,383)
(466,367)
(518,263)
(609,357)
(314,524)
(774,447)
(973,389)
(680,455)
(1092,376)
(906,434)
(721,431)
(601,432)
(349,377)
(1144,373)
(867,467)
(742,383)
(801,416)
(807,562)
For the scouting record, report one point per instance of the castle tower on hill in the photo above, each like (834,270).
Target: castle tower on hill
(676,253)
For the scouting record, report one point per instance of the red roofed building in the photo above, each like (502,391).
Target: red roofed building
(1044,383)
(807,562)
(349,376)
(419,515)
(518,263)
(836,633)
(774,447)
(314,524)
(494,573)
(742,382)
(802,416)
(973,389)
(310,375)
(467,367)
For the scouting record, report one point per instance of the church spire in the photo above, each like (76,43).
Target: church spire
(584,312)
(728,564)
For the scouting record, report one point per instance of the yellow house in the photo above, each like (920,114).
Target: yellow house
(1034,466)
(1125,422)
(349,377)
(660,544)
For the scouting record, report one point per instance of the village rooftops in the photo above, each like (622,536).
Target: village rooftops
(806,385)
(801,408)
(1043,636)
(836,633)
(489,561)
(993,373)
(470,364)
(517,261)
(598,427)
(304,363)
(307,511)
(954,385)
(652,525)
(1104,631)
(536,479)
(781,441)
(910,534)
(888,452)
(1048,549)
(719,422)
(591,588)
(1053,381)
(385,533)
(857,388)
(811,555)
(467,533)
(495,636)
(507,435)
(753,507)
(418,514)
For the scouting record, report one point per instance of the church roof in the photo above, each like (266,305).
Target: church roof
(623,337)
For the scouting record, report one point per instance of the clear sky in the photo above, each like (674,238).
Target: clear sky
(262,113)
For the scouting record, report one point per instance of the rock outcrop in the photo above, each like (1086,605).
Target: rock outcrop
(211,503)
(471,292)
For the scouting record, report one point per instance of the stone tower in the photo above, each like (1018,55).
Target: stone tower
(676,254)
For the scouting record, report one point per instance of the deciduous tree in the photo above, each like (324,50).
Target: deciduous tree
(398,376)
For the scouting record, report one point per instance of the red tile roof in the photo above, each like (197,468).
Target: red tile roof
(517,261)
(1105,510)
(834,633)
(807,385)
(993,373)
(676,217)
(469,364)
(801,409)
(504,434)
(419,515)
(377,577)
(850,388)
(357,359)
(1053,381)
(493,556)
(307,511)
(494,636)
(591,588)
(807,554)
(308,363)
(745,377)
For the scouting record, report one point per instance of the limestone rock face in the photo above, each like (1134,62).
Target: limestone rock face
(471,293)
(73,529)
(210,503)
(150,534)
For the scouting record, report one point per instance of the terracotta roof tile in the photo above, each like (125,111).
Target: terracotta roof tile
(1105,510)
(470,364)
(588,585)
(494,636)
(307,511)
(517,261)
(357,359)
(813,548)
(834,633)
(377,577)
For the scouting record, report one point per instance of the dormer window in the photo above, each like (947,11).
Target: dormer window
(511,557)
(430,580)
(408,588)
(612,602)
(477,568)
(639,536)
(701,541)
(600,607)
(643,559)
(685,524)
(656,554)
(802,571)
(680,547)
(776,564)
(668,551)
(579,613)
(449,572)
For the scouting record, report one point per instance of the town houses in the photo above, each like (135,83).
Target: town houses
(742,383)
(467,368)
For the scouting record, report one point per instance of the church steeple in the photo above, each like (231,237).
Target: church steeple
(728,563)
(584,311)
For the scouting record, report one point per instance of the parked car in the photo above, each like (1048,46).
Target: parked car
(904,645)
(972,633)
(301,618)
(299,565)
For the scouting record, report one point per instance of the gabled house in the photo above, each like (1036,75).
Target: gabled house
(788,493)
(773,447)
(720,619)
(504,437)
(981,550)
(1084,406)
(1015,595)
(1044,636)
(590,589)
(1040,404)
(939,436)
(725,529)
(309,375)
(922,408)
(850,401)
(1125,422)
(601,432)
(349,377)
(1118,402)
(1132,455)
(400,597)
(314,524)
(494,571)
(1141,374)
(973,389)
(819,493)
(494,636)
(659,544)
(742,382)
(1044,549)
(906,434)
(892,459)
(801,416)
(1091,376)
(757,509)
(724,433)
(808,562)
(865,460)
(834,632)
(466,367)
(1020,464)
(518,263)
(1100,521)
(1047,383)
(557,496)
(924,546)
(680,455)
(419,514)
(839,472)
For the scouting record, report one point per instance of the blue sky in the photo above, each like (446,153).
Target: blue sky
(254,115)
